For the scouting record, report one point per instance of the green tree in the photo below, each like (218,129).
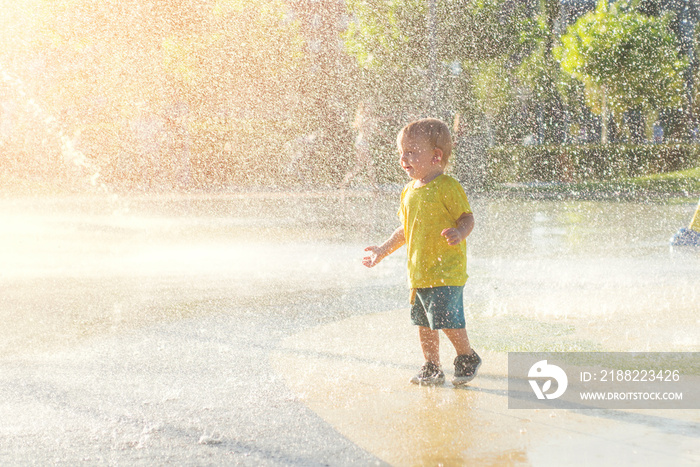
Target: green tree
(539,74)
(394,33)
(396,41)
(492,87)
(626,60)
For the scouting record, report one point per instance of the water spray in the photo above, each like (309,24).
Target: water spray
(72,157)
(689,236)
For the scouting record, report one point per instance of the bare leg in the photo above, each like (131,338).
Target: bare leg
(430,343)
(459,339)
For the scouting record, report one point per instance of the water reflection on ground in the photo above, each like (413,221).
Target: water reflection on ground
(604,268)
(136,327)
(80,265)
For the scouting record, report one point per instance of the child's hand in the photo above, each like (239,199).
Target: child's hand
(453,236)
(373,258)
(465,224)
(378,253)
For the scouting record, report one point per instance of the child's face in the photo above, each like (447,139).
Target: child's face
(419,159)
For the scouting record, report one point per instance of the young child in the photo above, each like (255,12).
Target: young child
(435,221)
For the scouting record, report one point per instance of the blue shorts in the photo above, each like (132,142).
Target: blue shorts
(439,308)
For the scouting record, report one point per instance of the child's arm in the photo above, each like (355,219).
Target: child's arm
(465,225)
(378,253)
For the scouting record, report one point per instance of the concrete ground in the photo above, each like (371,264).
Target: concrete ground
(242,330)
(358,383)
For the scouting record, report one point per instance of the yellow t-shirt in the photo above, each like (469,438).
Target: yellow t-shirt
(425,212)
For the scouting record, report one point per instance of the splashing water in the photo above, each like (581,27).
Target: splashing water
(75,161)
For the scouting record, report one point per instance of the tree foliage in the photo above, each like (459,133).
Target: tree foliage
(624,59)
(415,65)
(539,75)
(394,33)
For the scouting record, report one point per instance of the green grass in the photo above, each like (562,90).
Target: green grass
(682,180)
(680,186)
(683,185)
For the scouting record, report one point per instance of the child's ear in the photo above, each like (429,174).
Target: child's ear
(437,155)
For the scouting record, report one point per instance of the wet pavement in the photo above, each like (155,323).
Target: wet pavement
(374,406)
(242,329)
(193,392)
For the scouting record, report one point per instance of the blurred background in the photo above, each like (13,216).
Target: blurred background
(209,94)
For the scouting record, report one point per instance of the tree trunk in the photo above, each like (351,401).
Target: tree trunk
(604,117)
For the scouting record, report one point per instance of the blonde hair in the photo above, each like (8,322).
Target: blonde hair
(433,130)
